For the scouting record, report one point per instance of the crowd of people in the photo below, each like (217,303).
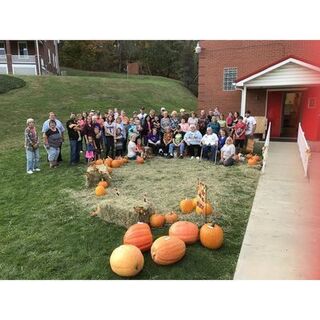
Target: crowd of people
(211,136)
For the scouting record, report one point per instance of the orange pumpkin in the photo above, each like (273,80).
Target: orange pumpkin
(121,160)
(126,260)
(171,217)
(100,191)
(206,210)
(186,206)
(157,220)
(99,161)
(108,162)
(116,164)
(249,156)
(103,183)
(139,235)
(185,230)
(167,250)
(139,160)
(252,162)
(211,236)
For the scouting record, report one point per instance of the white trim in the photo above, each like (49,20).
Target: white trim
(38,58)
(280,64)
(243,101)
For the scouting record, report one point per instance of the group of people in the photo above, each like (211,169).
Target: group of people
(209,135)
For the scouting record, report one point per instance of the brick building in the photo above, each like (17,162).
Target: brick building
(279,80)
(26,57)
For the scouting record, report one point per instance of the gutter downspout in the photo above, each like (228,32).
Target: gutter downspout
(38,58)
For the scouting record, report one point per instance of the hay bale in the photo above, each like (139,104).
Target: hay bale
(96,173)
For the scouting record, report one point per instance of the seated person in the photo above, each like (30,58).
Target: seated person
(209,143)
(139,148)
(177,142)
(154,140)
(166,140)
(228,153)
(132,147)
(192,139)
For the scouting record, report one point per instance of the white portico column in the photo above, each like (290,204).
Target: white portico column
(243,100)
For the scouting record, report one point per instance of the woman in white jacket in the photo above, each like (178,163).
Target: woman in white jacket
(209,143)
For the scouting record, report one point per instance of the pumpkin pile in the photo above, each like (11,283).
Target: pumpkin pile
(189,205)
(252,160)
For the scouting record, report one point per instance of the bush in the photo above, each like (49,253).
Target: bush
(8,83)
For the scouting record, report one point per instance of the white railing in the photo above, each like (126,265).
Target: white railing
(23,59)
(265,149)
(3,58)
(304,150)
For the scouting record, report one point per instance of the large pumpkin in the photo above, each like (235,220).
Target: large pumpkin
(211,236)
(206,210)
(171,217)
(157,220)
(139,235)
(186,206)
(126,260)
(100,191)
(116,164)
(185,230)
(103,183)
(252,162)
(99,161)
(139,160)
(108,162)
(167,250)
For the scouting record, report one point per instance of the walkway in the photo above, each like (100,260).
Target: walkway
(282,239)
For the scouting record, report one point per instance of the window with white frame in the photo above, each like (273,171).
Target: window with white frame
(23,48)
(229,77)
(2,48)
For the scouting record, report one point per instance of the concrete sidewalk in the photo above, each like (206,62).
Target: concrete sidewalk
(281,239)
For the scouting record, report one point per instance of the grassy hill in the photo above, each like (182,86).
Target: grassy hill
(81,93)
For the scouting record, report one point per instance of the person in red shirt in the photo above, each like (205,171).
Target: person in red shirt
(239,133)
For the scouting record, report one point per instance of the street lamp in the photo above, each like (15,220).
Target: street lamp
(197,48)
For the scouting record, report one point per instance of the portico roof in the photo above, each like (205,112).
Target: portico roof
(289,72)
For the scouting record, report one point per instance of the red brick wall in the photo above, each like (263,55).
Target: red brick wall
(43,51)
(247,56)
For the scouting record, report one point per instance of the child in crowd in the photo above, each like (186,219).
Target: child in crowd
(240,134)
(154,141)
(132,155)
(119,142)
(222,138)
(166,140)
(184,125)
(177,142)
(97,139)
(139,148)
(90,154)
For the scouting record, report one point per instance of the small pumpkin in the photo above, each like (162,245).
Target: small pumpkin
(185,230)
(195,201)
(171,217)
(157,220)
(252,162)
(103,183)
(126,260)
(108,162)
(211,236)
(249,156)
(99,161)
(139,235)
(186,206)
(206,210)
(139,160)
(167,250)
(100,191)
(116,164)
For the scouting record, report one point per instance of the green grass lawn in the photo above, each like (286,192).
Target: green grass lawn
(47,233)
